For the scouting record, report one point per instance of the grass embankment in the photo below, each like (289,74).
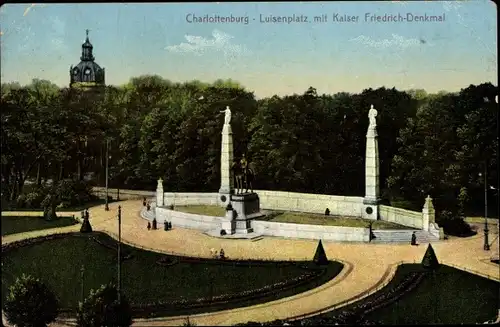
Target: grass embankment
(21,224)
(316,219)
(145,280)
(298,218)
(450,296)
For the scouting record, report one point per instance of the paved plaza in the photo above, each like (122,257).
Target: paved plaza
(368,266)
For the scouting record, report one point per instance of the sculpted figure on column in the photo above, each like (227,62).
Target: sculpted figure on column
(227,117)
(371,115)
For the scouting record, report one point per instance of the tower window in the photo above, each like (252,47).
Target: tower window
(87,71)
(75,71)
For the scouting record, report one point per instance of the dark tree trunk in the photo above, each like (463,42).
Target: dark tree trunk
(61,171)
(39,174)
(80,169)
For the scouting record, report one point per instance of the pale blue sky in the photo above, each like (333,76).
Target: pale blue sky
(42,41)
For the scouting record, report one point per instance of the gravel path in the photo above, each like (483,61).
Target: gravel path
(367,265)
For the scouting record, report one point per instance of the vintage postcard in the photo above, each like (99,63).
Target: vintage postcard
(249,164)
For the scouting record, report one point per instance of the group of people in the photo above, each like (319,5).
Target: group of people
(220,255)
(166,225)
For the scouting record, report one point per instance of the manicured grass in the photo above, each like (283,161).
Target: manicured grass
(297,218)
(451,296)
(57,262)
(21,224)
(316,219)
(215,211)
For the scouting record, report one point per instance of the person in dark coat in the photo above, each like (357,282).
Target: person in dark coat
(165,225)
(149,225)
(222,254)
(413,239)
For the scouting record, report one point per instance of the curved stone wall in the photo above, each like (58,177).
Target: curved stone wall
(282,201)
(264,228)
(278,200)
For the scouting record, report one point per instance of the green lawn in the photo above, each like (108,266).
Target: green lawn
(317,219)
(451,297)
(215,211)
(57,262)
(297,218)
(21,224)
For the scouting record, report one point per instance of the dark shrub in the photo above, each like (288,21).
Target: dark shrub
(320,255)
(21,201)
(430,260)
(454,225)
(35,197)
(30,303)
(86,227)
(73,193)
(222,232)
(101,308)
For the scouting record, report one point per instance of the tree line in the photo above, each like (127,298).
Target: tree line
(434,144)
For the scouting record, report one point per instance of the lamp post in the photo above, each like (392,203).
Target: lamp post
(82,273)
(106,207)
(119,286)
(486,246)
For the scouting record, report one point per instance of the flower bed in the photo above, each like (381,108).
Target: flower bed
(35,240)
(225,298)
(168,261)
(357,313)
(125,255)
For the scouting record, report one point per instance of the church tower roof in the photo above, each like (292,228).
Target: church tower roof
(87,72)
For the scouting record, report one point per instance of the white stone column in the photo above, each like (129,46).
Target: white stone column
(160,195)
(428,214)
(226,160)
(372,188)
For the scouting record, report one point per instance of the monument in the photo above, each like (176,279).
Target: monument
(372,186)
(226,160)
(241,206)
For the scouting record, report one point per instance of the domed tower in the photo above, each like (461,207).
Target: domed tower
(87,73)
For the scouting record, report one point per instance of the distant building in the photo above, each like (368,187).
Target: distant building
(87,74)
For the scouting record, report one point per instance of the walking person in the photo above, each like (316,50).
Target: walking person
(414,239)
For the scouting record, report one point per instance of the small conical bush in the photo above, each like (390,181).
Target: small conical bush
(320,255)
(430,260)
(86,228)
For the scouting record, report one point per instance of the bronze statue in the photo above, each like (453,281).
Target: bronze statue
(243,175)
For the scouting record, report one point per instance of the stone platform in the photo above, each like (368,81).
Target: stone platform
(236,236)
(246,205)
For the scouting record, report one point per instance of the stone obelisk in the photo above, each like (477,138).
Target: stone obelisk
(226,160)
(372,187)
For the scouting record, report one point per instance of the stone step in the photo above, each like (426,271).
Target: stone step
(401,236)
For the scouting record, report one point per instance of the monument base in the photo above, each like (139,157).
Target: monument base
(370,208)
(225,197)
(246,206)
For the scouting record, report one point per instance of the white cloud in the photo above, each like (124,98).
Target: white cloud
(396,41)
(58,31)
(199,45)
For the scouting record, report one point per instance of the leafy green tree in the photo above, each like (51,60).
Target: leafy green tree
(30,303)
(102,308)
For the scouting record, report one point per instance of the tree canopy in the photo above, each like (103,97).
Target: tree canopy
(429,143)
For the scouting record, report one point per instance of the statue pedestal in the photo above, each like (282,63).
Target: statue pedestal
(246,207)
